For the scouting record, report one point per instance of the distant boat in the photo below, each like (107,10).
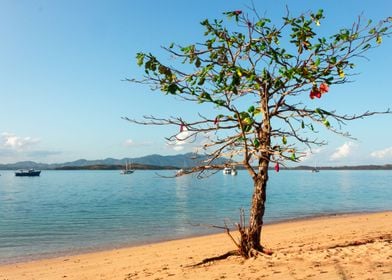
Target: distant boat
(27,173)
(315,169)
(227,170)
(180,172)
(230,171)
(128,169)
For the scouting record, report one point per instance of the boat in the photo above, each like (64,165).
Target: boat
(128,169)
(233,172)
(27,173)
(315,169)
(180,172)
(227,170)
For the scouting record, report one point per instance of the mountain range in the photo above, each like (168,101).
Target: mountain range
(146,162)
(157,162)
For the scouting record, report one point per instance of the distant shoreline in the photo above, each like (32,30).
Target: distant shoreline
(155,167)
(159,162)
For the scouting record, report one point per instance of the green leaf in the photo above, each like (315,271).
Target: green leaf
(293,158)
(197,62)
(319,111)
(220,102)
(251,109)
(140,58)
(302,125)
(379,39)
(201,81)
(256,143)
(284,140)
(256,111)
(247,128)
(172,88)
(247,121)
(205,96)
(326,123)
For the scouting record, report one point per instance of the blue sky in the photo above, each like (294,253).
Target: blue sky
(62,65)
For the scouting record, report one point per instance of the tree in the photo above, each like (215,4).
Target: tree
(261,79)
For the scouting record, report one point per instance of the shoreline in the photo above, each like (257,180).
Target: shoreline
(103,248)
(320,243)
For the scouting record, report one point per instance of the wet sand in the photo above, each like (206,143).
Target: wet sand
(357,246)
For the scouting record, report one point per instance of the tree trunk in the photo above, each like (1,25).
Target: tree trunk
(250,243)
(257,211)
(251,237)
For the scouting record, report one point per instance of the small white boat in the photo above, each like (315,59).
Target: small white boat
(233,172)
(227,170)
(128,169)
(180,172)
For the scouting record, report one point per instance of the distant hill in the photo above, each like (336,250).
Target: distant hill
(146,162)
(354,167)
(116,167)
(156,162)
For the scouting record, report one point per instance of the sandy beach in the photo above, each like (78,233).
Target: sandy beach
(335,247)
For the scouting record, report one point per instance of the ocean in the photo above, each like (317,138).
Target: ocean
(68,212)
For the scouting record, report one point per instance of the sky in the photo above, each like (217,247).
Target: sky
(63,64)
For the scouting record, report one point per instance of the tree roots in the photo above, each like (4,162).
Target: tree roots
(217,258)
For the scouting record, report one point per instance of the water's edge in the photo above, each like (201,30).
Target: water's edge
(65,254)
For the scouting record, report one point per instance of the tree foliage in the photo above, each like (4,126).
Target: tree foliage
(261,79)
(265,65)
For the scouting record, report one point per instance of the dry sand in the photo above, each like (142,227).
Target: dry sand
(338,247)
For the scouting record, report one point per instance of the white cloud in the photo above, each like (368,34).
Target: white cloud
(343,151)
(182,139)
(386,153)
(309,153)
(13,142)
(178,148)
(129,142)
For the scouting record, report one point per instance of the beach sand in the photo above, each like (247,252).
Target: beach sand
(335,247)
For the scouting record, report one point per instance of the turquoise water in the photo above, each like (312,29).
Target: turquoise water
(64,212)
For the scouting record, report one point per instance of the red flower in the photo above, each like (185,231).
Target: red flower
(216,121)
(315,92)
(277,167)
(181,127)
(324,88)
(237,12)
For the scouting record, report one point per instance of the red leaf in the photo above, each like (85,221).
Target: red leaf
(324,88)
(315,93)
(277,167)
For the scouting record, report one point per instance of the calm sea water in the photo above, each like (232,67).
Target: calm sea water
(64,212)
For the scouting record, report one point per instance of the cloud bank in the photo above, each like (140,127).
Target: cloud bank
(382,154)
(343,151)
(13,142)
